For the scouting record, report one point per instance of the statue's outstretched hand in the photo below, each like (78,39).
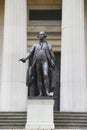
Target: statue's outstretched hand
(23,60)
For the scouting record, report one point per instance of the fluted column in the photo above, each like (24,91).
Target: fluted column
(73,70)
(13,88)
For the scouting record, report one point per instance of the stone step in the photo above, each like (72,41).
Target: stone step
(13,113)
(12,120)
(62,120)
(71,113)
(12,124)
(70,120)
(13,117)
(12,127)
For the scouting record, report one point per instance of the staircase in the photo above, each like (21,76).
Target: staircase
(12,120)
(70,120)
(17,120)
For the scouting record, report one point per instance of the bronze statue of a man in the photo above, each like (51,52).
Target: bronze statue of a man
(43,65)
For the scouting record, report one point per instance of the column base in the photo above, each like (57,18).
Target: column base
(40,114)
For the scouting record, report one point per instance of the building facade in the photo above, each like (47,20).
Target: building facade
(20,21)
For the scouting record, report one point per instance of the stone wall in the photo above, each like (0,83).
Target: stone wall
(44,1)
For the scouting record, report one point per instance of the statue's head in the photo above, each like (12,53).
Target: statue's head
(41,35)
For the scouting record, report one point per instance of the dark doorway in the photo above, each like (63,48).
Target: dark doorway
(57,87)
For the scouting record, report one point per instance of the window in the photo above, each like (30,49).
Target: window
(45,14)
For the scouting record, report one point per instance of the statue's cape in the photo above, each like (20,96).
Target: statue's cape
(30,76)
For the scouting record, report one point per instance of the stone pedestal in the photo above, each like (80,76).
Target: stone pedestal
(40,114)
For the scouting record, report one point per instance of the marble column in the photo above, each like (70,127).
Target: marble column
(73,68)
(13,88)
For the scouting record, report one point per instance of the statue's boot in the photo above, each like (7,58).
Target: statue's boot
(40,92)
(47,93)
